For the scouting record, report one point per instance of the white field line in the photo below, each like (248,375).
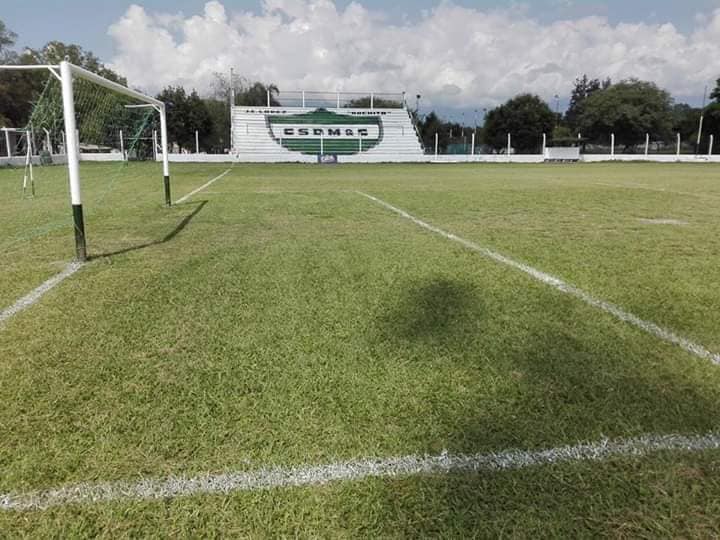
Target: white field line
(662,221)
(318,475)
(299,191)
(32,297)
(557,283)
(198,190)
(660,190)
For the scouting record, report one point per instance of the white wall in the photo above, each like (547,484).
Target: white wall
(19,161)
(109,156)
(653,158)
(478,158)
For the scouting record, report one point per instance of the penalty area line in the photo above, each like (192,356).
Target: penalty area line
(616,311)
(33,297)
(354,470)
(198,190)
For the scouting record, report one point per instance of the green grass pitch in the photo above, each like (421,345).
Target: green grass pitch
(278,318)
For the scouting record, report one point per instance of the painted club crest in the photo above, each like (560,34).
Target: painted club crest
(326,132)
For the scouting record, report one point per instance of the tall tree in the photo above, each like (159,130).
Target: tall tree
(685,120)
(185,115)
(526,117)
(378,103)
(629,109)
(218,139)
(715,95)
(20,89)
(711,123)
(253,94)
(56,51)
(7,38)
(256,95)
(583,89)
(428,127)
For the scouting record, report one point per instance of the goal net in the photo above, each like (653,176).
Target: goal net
(94,129)
(109,126)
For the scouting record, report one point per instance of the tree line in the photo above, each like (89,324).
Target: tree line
(629,109)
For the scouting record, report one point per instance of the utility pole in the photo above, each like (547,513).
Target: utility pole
(231,105)
(557,110)
(700,127)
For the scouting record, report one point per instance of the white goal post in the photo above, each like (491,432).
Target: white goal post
(28,173)
(65,72)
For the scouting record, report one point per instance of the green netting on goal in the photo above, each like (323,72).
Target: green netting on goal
(107,122)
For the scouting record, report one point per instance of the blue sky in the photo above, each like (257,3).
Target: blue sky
(80,21)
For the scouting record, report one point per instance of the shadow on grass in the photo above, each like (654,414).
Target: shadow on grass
(565,377)
(441,311)
(167,238)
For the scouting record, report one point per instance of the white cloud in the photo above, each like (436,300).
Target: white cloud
(454,56)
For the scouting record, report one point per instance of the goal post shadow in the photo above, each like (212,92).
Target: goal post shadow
(200,205)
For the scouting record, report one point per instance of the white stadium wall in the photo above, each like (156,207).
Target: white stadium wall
(455,158)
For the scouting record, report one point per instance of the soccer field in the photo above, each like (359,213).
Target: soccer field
(371,350)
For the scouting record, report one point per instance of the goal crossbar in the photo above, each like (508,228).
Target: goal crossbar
(115,87)
(65,72)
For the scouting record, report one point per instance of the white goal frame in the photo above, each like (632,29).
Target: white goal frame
(66,72)
(28,155)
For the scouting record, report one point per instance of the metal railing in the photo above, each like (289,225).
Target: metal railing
(333,100)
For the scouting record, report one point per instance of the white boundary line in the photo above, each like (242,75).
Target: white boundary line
(198,190)
(557,283)
(32,297)
(318,475)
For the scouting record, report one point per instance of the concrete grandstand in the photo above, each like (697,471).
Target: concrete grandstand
(310,133)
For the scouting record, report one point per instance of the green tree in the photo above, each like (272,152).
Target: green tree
(255,95)
(55,52)
(378,103)
(185,115)
(583,89)
(7,39)
(218,139)
(428,127)
(715,94)
(526,117)
(685,120)
(252,94)
(711,123)
(712,114)
(629,109)
(19,90)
